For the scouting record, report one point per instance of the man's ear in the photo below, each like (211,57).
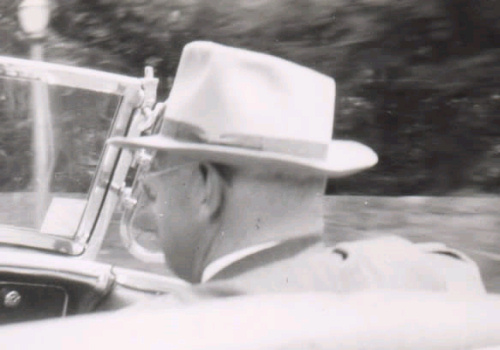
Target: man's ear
(212,191)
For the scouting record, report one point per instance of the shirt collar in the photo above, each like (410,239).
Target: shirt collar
(221,263)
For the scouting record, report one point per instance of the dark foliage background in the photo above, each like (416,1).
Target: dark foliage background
(417,80)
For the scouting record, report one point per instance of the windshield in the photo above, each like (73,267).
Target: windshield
(51,138)
(59,184)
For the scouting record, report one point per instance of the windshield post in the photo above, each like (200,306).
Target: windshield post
(34,19)
(42,131)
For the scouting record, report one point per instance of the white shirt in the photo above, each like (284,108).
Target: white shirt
(219,264)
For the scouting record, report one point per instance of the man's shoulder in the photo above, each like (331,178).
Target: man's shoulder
(389,248)
(397,262)
(383,262)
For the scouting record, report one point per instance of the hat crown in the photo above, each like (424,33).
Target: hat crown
(229,91)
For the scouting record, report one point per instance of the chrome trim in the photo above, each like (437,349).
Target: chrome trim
(148,282)
(107,171)
(58,74)
(100,276)
(17,236)
(91,273)
(112,174)
(12,299)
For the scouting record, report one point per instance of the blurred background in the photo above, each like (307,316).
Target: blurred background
(416,80)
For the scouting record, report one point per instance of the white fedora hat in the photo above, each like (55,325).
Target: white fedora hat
(236,106)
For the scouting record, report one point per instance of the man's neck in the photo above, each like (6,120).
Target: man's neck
(251,230)
(260,208)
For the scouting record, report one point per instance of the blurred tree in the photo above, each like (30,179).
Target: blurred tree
(416,80)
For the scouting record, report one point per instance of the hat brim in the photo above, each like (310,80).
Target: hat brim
(343,158)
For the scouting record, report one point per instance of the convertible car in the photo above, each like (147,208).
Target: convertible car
(76,240)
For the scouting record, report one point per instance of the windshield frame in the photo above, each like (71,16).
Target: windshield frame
(111,169)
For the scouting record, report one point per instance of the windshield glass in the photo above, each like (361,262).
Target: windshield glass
(58,190)
(51,138)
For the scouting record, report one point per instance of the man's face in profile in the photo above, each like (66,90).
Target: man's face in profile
(171,186)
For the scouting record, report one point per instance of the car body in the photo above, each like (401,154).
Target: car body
(74,241)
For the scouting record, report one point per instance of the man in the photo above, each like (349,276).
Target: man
(238,179)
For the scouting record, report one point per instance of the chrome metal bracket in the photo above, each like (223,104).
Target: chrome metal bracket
(142,159)
(150,109)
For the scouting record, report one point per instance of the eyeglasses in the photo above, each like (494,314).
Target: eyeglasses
(151,177)
(163,172)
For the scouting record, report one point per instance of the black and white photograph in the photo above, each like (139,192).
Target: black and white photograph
(250,174)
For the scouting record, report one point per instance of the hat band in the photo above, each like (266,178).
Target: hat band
(191,133)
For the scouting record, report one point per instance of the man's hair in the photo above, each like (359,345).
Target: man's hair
(291,184)
(224,171)
(228,172)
